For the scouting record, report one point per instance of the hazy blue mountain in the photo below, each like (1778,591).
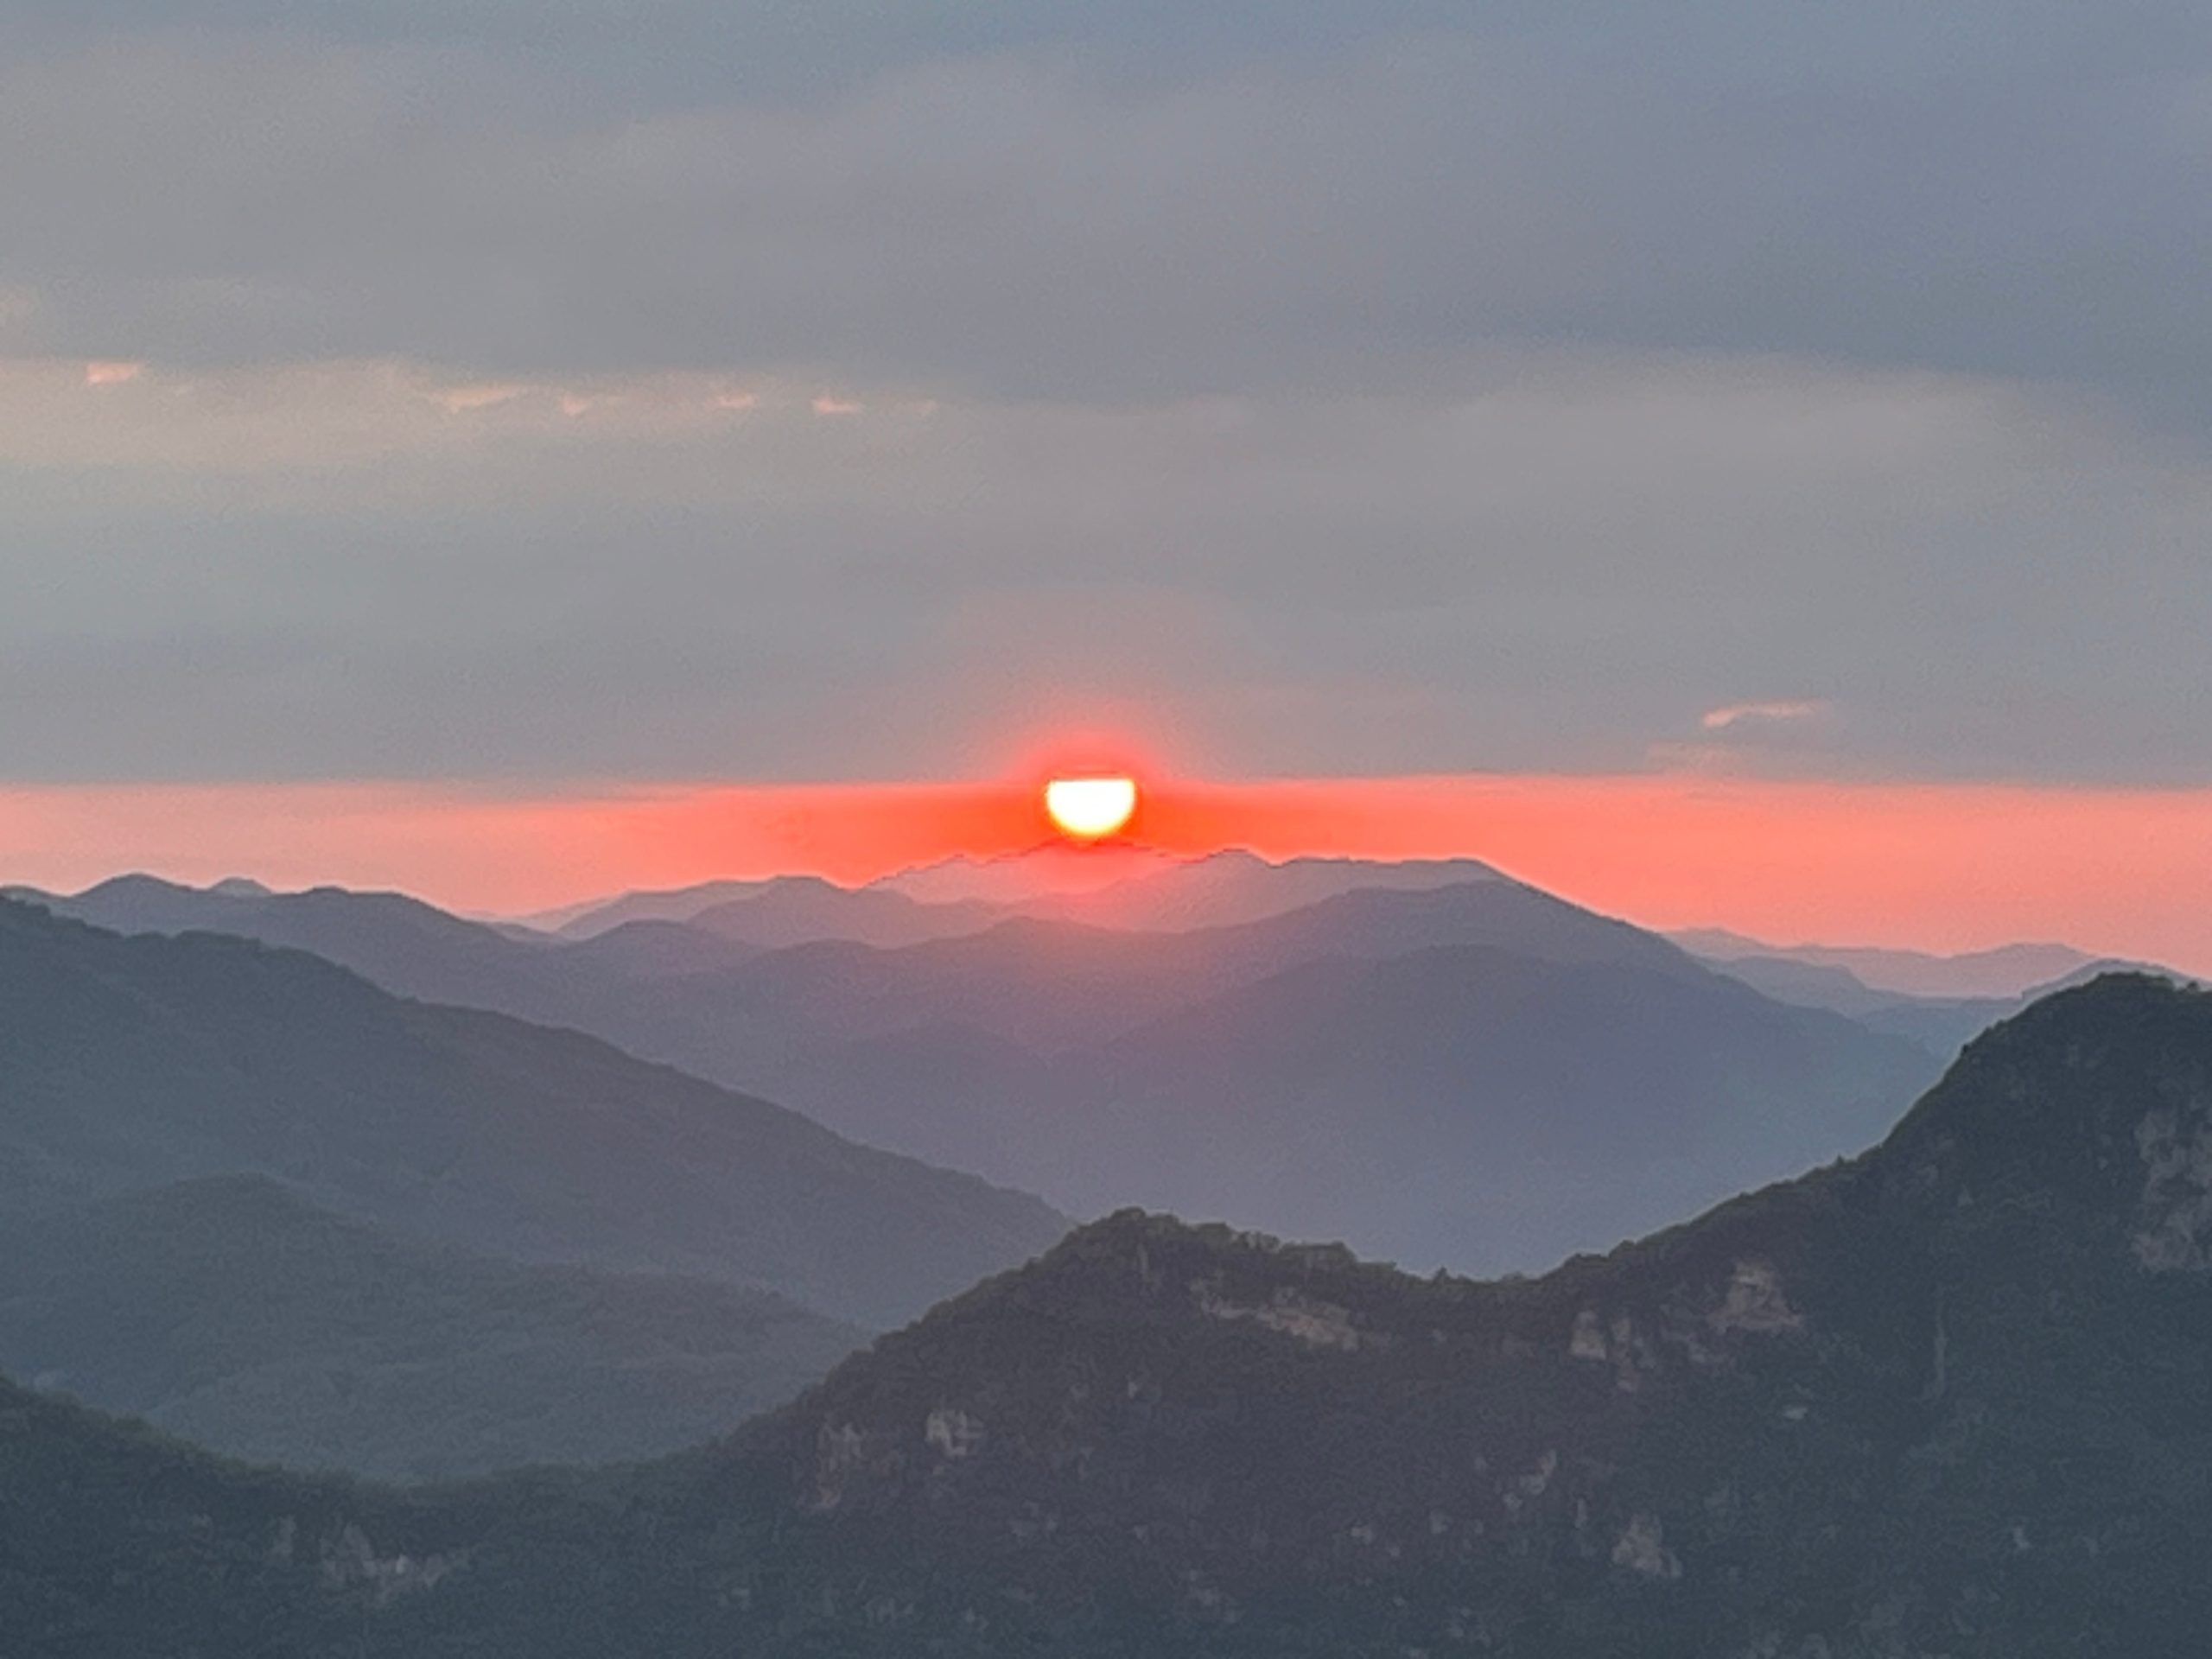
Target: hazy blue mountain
(1953,1397)
(1490,1104)
(1805,984)
(1051,867)
(782,910)
(1111,885)
(1130,886)
(1942,1025)
(138,1061)
(798,909)
(1228,888)
(594,916)
(730,1009)
(2007,971)
(229,1312)
(1053,986)
(1466,1106)
(1010,1053)
(401,943)
(649,950)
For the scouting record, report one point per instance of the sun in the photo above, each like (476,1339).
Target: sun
(1090,809)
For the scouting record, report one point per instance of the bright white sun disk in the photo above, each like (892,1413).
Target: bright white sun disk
(1091,808)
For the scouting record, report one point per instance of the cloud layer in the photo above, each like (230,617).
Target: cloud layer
(795,391)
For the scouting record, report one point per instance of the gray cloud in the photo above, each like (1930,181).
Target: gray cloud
(1997,188)
(1569,565)
(1329,387)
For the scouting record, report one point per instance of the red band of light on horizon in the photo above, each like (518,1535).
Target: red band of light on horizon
(1934,865)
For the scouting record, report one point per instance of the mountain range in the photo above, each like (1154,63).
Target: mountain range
(1950,1397)
(1117,884)
(1445,1067)
(134,1062)
(2008,970)
(1939,1002)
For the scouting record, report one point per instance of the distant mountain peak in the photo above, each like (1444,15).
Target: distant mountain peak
(135,881)
(1049,868)
(1125,885)
(2001,971)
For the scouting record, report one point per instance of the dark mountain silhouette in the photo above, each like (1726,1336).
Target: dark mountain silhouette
(230,1313)
(139,1061)
(1952,1397)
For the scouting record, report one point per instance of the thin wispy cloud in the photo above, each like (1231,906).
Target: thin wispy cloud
(465,400)
(1736,714)
(112,373)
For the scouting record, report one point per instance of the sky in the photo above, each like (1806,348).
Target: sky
(488,401)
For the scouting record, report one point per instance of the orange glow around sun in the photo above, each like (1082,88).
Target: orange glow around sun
(1090,809)
(1945,867)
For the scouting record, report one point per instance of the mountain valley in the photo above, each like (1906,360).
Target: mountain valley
(1820,1420)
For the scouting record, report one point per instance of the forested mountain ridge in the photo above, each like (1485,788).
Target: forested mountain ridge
(1821,1420)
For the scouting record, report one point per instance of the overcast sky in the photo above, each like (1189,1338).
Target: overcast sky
(494,388)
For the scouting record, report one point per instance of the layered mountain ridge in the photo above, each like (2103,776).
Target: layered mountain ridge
(134,1062)
(1952,1397)
(1369,1064)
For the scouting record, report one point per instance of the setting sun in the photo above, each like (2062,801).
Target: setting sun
(1090,809)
